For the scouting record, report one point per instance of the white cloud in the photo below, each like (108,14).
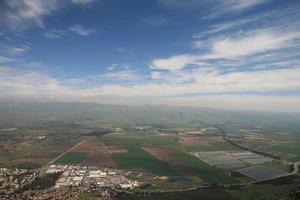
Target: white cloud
(217,28)
(76,29)
(237,47)
(81,30)
(172,77)
(22,13)
(4,59)
(234,5)
(251,44)
(173,63)
(213,81)
(111,67)
(36,84)
(221,7)
(18,15)
(17,49)
(119,75)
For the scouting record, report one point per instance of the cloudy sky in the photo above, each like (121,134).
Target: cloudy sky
(240,54)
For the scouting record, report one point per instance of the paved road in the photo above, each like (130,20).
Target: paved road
(296,168)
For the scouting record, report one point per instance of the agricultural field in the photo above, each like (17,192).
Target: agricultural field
(220,159)
(152,142)
(167,154)
(276,164)
(261,172)
(138,159)
(206,143)
(157,151)
(71,158)
(35,151)
(290,151)
(96,153)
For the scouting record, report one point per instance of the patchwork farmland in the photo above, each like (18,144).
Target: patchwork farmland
(201,158)
(180,156)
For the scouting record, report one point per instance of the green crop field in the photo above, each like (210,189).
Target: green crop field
(207,172)
(288,148)
(293,150)
(71,158)
(224,146)
(149,140)
(137,158)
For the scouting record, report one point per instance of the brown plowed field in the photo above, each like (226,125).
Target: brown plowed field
(115,149)
(97,154)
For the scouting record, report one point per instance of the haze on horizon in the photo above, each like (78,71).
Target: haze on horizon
(222,53)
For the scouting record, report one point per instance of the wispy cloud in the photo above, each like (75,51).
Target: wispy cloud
(55,33)
(219,28)
(235,47)
(14,50)
(80,30)
(4,59)
(173,63)
(20,14)
(119,75)
(121,50)
(4,70)
(215,82)
(253,43)
(111,67)
(222,7)
(216,8)
(75,29)
(83,2)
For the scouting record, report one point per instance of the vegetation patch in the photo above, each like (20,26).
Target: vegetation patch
(71,158)
(137,158)
(20,165)
(207,194)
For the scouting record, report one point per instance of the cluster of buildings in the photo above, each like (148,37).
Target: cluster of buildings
(49,194)
(12,180)
(88,178)
(73,180)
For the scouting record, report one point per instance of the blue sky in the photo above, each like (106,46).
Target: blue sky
(240,54)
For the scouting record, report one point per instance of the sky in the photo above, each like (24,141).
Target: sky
(231,54)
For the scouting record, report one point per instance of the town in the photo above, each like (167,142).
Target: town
(65,181)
